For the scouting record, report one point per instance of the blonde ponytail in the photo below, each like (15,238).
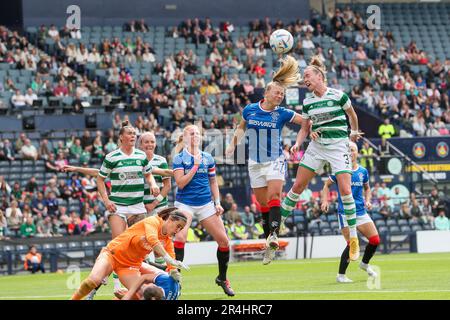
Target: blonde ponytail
(288,74)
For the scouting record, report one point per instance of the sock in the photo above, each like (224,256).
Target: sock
(289,203)
(223,256)
(86,286)
(344,260)
(160,260)
(179,250)
(274,215)
(350,214)
(265,221)
(117,284)
(371,248)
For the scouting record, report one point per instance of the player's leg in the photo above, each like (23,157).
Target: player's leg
(304,176)
(118,224)
(344,184)
(102,268)
(129,276)
(344,262)
(274,188)
(261,197)
(180,238)
(369,230)
(214,226)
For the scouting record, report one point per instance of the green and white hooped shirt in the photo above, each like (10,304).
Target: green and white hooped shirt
(126,173)
(327,114)
(156,162)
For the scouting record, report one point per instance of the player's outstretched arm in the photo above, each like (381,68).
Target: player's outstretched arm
(163,172)
(86,171)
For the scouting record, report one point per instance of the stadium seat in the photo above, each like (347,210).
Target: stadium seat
(394,229)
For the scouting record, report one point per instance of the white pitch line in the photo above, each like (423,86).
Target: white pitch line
(257,293)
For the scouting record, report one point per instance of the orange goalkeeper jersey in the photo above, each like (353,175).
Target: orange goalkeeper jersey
(132,246)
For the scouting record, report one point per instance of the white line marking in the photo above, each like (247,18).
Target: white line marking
(255,293)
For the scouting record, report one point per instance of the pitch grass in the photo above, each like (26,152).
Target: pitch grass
(402,276)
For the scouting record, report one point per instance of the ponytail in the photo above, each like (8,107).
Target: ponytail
(287,75)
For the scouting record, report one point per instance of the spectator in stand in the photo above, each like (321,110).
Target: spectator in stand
(30,97)
(76,149)
(5,189)
(18,101)
(385,210)
(33,261)
(61,89)
(44,228)
(44,150)
(239,230)
(50,164)
(38,205)
(8,150)
(31,187)
(51,203)
(441,222)
(248,220)
(227,202)
(386,130)
(29,151)
(28,228)
(3,226)
(233,214)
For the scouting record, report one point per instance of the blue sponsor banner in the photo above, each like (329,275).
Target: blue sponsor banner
(423,149)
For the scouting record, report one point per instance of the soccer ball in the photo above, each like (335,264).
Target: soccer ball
(281,41)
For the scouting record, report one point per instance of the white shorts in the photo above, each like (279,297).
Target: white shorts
(337,155)
(198,212)
(360,220)
(125,211)
(261,173)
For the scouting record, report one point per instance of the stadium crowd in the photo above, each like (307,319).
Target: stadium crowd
(416,103)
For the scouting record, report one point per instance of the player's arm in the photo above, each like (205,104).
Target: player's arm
(237,136)
(162,172)
(367,196)
(152,183)
(324,194)
(182,179)
(355,134)
(302,134)
(151,235)
(86,171)
(216,194)
(144,279)
(103,173)
(101,188)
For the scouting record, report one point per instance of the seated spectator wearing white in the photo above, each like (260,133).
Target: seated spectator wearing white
(29,151)
(441,222)
(30,96)
(18,100)
(53,32)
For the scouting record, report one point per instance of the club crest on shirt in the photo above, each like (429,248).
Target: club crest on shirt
(361,176)
(275,115)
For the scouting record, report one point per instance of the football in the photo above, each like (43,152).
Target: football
(281,41)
